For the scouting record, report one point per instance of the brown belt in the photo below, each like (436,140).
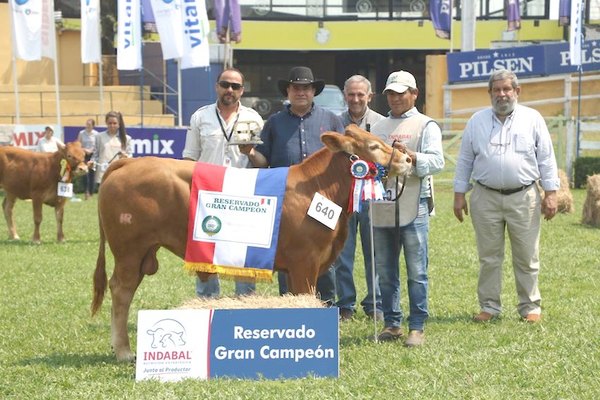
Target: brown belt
(507,191)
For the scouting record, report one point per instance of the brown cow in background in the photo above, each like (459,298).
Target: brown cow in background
(143,205)
(25,174)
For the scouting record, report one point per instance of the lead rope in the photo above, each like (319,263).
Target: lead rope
(373,275)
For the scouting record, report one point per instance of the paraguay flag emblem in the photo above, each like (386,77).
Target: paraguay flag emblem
(234,218)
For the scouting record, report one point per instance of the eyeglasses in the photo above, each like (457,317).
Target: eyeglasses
(227,85)
(503,135)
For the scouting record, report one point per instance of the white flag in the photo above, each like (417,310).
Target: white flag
(195,21)
(27,29)
(90,31)
(129,31)
(48,30)
(169,22)
(575,33)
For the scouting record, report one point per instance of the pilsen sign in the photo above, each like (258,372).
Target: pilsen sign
(537,60)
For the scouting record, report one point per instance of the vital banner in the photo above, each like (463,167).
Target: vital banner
(129,37)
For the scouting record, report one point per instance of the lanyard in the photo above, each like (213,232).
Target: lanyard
(223,129)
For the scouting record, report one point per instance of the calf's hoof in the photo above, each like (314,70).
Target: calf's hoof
(125,356)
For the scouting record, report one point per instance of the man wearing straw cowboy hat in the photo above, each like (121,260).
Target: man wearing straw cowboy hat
(292,135)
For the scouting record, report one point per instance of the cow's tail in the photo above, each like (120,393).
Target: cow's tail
(100,273)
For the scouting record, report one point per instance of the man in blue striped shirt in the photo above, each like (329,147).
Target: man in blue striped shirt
(292,135)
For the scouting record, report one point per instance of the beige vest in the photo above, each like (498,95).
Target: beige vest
(407,131)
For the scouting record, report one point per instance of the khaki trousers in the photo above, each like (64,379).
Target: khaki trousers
(519,214)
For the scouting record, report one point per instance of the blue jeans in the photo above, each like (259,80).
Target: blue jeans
(344,265)
(325,286)
(388,242)
(212,287)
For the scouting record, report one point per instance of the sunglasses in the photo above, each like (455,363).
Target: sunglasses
(227,85)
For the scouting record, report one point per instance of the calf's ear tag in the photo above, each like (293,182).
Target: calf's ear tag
(359,169)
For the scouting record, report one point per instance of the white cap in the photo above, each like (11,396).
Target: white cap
(400,81)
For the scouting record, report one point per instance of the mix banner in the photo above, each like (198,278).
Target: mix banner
(146,141)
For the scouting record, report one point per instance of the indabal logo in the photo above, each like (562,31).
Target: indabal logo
(167,333)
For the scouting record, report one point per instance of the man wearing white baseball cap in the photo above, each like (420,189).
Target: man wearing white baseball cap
(400,82)
(421,138)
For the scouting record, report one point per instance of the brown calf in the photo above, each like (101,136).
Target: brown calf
(25,174)
(143,205)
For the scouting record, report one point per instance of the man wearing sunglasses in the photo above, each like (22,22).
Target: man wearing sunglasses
(505,149)
(290,136)
(212,127)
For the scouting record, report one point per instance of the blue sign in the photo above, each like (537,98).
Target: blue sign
(479,65)
(537,60)
(558,58)
(274,343)
(146,141)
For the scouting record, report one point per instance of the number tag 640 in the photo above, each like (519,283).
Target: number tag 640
(324,210)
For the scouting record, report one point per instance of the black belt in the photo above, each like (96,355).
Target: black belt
(506,191)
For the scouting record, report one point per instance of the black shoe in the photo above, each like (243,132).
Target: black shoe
(390,333)
(346,314)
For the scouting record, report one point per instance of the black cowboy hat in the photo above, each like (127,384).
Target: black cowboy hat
(301,76)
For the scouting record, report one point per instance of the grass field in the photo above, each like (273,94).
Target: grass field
(50,347)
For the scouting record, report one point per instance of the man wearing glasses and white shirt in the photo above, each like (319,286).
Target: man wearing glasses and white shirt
(505,149)
(211,129)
